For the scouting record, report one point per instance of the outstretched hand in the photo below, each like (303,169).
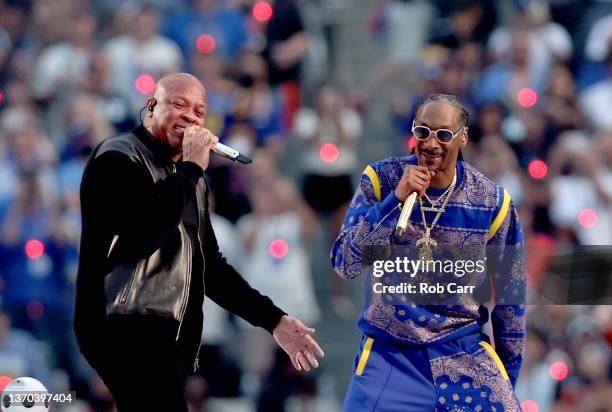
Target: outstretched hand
(295,338)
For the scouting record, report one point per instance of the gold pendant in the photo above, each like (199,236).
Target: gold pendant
(424,244)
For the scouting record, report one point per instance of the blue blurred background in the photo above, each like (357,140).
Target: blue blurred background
(313,91)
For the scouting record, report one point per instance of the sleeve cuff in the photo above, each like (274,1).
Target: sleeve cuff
(272,319)
(190,169)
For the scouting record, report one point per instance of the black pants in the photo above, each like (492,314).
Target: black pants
(141,364)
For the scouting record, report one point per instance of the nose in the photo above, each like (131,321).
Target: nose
(431,144)
(189,117)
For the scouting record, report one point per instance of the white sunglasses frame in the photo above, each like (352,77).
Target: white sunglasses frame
(435,133)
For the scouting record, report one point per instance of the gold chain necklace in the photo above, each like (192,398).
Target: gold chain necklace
(426,242)
(432,208)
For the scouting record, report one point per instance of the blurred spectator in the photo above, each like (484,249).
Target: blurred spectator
(405,25)
(229,180)
(20,354)
(593,362)
(578,173)
(140,50)
(496,159)
(26,150)
(330,132)
(560,102)
(599,40)
(548,40)
(86,126)
(286,46)
(274,235)
(501,82)
(209,69)
(470,21)
(219,370)
(327,180)
(275,261)
(535,383)
(257,103)
(216,18)
(283,383)
(63,66)
(595,100)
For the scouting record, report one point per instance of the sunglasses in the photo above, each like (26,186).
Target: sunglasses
(444,136)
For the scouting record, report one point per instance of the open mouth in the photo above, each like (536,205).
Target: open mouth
(180,130)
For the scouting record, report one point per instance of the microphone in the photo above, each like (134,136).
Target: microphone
(404,217)
(229,153)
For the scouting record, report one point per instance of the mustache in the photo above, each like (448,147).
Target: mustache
(431,152)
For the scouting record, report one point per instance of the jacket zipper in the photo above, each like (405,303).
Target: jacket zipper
(186,296)
(196,362)
(178,333)
(399,206)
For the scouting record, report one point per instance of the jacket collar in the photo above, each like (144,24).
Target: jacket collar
(161,150)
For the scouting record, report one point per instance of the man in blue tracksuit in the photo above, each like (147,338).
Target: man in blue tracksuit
(434,357)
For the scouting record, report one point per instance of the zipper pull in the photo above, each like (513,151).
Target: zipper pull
(196,365)
(173,167)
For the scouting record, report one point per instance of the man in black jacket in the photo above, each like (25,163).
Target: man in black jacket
(149,255)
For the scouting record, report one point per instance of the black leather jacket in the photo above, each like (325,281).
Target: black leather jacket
(156,283)
(136,255)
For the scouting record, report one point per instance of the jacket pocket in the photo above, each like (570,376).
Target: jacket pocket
(496,359)
(365,355)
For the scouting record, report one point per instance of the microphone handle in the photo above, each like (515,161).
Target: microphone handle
(404,217)
(229,153)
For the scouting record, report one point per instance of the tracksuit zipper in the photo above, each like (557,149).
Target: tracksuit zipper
(399,206)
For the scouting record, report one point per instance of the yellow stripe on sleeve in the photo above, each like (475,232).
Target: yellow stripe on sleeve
(365,354)
(496,358)
(499,219)
(371,173)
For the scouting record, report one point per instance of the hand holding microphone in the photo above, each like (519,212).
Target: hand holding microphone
(198,142)
(412,185)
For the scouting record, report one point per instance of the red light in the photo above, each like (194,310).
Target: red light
(145,84)
(558,370)
(587,218)
(538,169)
(529,406)
(329,153)
(1,97)
(4,380)
(206,44)
(278,248)
(35,310)
(262,11)
(34,249)
(527,97)
(411,143)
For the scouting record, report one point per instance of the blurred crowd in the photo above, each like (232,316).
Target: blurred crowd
(535,74)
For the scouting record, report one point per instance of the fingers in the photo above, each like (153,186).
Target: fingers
(311,357)
(313,345)
(301,359)
(294,361)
